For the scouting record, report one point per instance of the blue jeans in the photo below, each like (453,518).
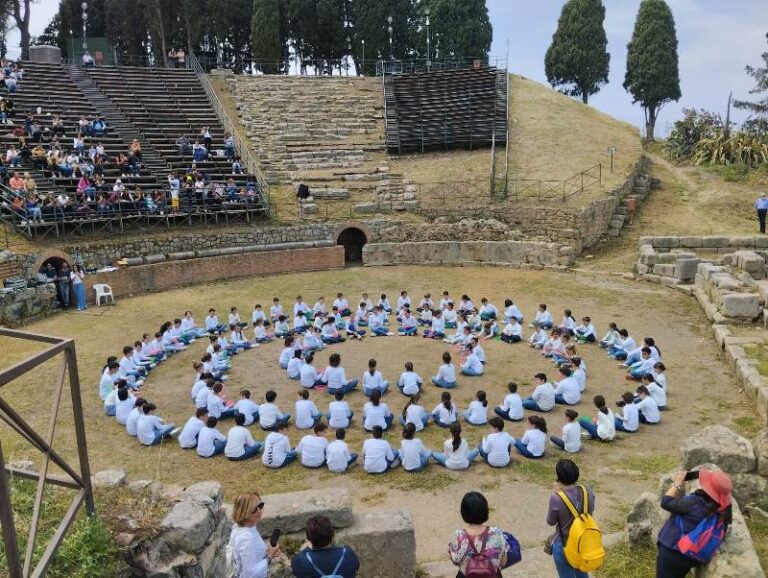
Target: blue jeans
(163,432)
(411,331)
(523,450)
(620,426)
(561,400)
(218,448)
(109,410)
(400,388)
(440,423)
(352,459)
(424,419)
(634,358)
(282,418)
(226,413)
(545,326)
(590,427)
(531,404)
(504,415)
(465,414)
(289,457)
(369,390)
(379,331)
(559,359)
(444,384)
(346,388)
(471,372)
(441,458)
(422,465)
(564,569)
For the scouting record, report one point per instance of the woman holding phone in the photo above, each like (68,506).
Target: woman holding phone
(247,554)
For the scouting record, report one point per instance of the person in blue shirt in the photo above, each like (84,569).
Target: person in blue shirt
(324,558)
(761,204)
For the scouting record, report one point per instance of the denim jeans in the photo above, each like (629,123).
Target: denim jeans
(109,410)
(422,465)
(411,331)
(564,569)
(437,421)
(471,372)
(369,390)
(281,418)
(424,420)
(523,450)
(163,432)
(590,427)
(218,448)
(620,426)
(379,331)
(441,458)
(634,358)
(504,415)
(465,414)
(387,420)
(346,388)
(289,458)
(80,296)
(444,384)
(531,404)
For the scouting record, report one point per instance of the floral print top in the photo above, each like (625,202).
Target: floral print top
(460,549)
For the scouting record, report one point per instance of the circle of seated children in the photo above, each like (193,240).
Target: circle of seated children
(314,329)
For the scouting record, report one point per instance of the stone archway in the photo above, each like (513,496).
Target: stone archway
(353,238)
(54,256)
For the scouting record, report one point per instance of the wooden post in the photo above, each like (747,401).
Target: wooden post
(6,521)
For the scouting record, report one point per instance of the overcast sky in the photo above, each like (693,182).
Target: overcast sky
(717,39)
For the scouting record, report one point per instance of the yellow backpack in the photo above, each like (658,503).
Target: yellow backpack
(584,547)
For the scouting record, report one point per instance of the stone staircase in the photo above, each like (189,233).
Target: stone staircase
(638,193)
(326,132)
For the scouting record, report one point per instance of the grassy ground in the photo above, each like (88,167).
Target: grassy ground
(519,493)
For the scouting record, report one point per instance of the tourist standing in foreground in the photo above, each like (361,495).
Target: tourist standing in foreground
(477,537)
(251,556)
(761,205)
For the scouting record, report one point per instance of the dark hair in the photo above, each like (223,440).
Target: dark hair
(376,397)
(341,433)
(334,360)
(538,422)
(240,418)
(446,357)
(409,430)
(567,472)
(211,422)
(474,508)
(141,402)
(480,395)
(319,427)
(565,370)
(571,414)
(148,408)
(646,350)
(623,332)
(288,342)
(411,400)
(372,365)
(122,394)
(628,397)
(245,393)
(713,507)
(446,399)
(297,353)
(496,423)
(648,377)
(338,395)
(319,532)
(201,411)
(455,429)
(659,365)
(218,387)
(303,394)
(508,302)
(270,396)
(576,361)
(377,431)
(599,401)
(642,389)
(309,358)
(408,366)
(512,387)
(127,349)
(541,376)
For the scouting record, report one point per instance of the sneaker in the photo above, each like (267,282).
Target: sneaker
(390,334)
(174,432)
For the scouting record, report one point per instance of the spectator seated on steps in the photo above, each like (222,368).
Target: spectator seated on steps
(99,126)
(87,60)
(230,190)
(39,158)
(237,166)
(182,143)
(199,152)
(16,184)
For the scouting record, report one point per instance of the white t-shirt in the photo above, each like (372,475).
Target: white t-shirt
(238,439)
(513,405)
(650,410)
(131,425)
(473,363)
(376,453)
(123,409)
(572,436)
(447,373)
(312,450)
(305,409)
(205,441)
(308,376)
(335,377)
(146,428)
(215,405)
(409,381)
(411,452)
(606,425)
(337,456)
(268,414)
(285,356)
(415,414)
(570,390)
(339,414)
(478,413)
(544,396)
(276,446)
(631,421)
(458,459)
(375,381)
(497,446)
(201,399)
(294,367)
(445,416)
(188,435)
(247,407)
(658,394)
(375,414)
(536,441)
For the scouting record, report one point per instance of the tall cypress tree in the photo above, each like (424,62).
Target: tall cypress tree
(266,38)
(577,61)
(463,26)
(653,77)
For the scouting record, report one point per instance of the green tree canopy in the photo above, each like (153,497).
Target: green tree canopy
(577,60)
(463,28)
(759,123)
(653,77)
(266,38)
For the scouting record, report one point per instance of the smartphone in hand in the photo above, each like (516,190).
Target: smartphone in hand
(691,476)
(276,536)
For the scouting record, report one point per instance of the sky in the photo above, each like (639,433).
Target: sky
(717,39)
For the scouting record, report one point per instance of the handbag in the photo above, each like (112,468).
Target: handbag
(514,555)
(549,544)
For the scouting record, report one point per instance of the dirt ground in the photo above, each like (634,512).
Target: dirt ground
(702,391)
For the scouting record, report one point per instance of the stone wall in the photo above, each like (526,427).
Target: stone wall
(190,540)
(173,274)
(23,305)
(746,462)
(521,253)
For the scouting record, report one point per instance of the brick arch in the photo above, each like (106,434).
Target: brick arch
(55,255)
(352,225)
(353,236)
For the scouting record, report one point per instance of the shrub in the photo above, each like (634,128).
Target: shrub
(740,148)
(687,132)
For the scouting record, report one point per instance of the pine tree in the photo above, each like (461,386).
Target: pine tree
(653,77)
(463,27)
(577,61)
(266,38)
(760,106)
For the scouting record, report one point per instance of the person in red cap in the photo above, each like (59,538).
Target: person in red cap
(711,501)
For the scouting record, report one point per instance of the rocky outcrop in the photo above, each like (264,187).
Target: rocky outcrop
(718,445)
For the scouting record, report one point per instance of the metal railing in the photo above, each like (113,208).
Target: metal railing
(556,190)
(412,65)
(243,148)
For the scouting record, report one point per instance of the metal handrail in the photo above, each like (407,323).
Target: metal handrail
(242,148)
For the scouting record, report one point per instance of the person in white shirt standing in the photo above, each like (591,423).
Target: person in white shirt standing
(240,443)
(373,380)
(533,444)
(496,446)
(312,448)
(378,455)
(210,441)
(191,429)
(337,454)
(571,440)
(307,414)
(512,408)
(277,448)
(446,374)
(413,455)
(150,429)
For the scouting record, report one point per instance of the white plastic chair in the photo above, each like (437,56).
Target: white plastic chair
(102,292)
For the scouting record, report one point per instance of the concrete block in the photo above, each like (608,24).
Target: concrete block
(742,242)
(647,241)
(740,305)
(690,242)
(761,401)
(712,242)
(182,255)
(761,242)
(154,258)
(385,543)
(647,255)
(290,512)
(209,253)
(666,242)
(664,269)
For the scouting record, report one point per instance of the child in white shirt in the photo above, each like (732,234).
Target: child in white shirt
(450,316)
(445,412)
(437,326)
(512,408)
(425,317)
(513,331)
(472,365)
(378,455)
(339,413)
(258,314)
(647,408)
(408,325)
(270,416)
(287,353)
(413,455)
(277,448)
(191,429)
(571,440)
(335,377)
(445,300)
(276,311)
(312,448)
(376,413)
(603,426)
(337,454)
(260,334)
(342,305)
(414,413)
(446,374)
(543,318)
(533,444)
(477,413)
(410,382)
(295,364)
(246,406)
(488,311)
(373,380)
(456,454)
(586,332)
(240,443)
(538,339)
(210,441)
(496,446)
(307,414)
(511,310)
(610,337)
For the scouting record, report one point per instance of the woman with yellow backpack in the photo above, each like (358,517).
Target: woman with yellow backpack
(576,545)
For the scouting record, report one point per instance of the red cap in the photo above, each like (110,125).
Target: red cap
(717,485)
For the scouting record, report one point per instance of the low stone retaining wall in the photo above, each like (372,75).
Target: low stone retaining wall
(521,253)
(166,275)
(746,463)
(23,305)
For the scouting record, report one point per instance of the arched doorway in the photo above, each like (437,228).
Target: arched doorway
(353,240)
